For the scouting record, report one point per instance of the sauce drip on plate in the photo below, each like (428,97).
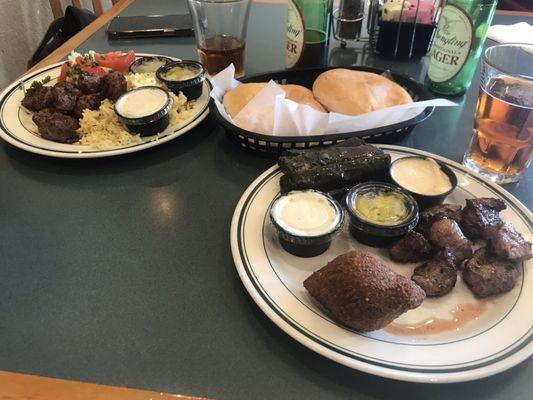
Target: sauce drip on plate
(462,314)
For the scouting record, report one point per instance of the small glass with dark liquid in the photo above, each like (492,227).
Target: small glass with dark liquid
(218,52)
(220,29)
(502,143)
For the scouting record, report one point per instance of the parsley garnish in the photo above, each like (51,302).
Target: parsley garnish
(75,70)
(38,84)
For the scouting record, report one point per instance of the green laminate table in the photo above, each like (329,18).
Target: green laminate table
(119,271)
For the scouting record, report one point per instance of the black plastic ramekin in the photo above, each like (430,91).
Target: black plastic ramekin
(151,124)
(424,200)
(307,246)
(378,235)
(191,88)
(143,60)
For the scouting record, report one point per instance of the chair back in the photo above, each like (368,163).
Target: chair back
(57,8)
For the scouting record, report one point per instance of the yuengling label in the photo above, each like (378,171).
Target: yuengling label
(452,44)
(295,35)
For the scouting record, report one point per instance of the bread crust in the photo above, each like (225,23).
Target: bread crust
(352,92)
(235,100)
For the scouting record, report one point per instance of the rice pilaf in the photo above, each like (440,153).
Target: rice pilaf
(102,130)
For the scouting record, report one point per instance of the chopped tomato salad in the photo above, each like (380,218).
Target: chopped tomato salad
(96,63)
(116,60)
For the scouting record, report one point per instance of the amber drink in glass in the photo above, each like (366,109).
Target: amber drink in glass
(502,143)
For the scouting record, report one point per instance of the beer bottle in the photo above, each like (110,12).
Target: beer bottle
(458,44)
(307,33)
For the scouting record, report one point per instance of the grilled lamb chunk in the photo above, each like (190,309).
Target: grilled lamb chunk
(413,247)
(87,102)
(433,214)
(114,85)
(505,242)
(437,277)
(56,126)
(487,275)
(480,215)
(446,233)
(65,96)
(38,99)
(89,83)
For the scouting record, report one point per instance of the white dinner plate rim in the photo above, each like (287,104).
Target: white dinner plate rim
(499,365)
(13,140)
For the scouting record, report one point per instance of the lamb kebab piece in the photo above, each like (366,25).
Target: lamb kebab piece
(480,215)
(438,276)
(487,275)
(433,214)
(446,233)
(413,247)
(505,242)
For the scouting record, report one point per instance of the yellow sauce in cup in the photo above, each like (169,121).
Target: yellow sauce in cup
(381,208)
(181,73)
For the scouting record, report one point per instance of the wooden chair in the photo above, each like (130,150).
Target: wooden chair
(57,9)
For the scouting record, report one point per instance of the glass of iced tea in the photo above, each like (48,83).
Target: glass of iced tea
(220,29)
(502,143)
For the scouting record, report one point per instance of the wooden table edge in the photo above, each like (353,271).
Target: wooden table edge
(75,41)
(15,386)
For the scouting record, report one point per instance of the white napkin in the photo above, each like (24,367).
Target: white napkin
(270,113)
(521,32)
(256,116)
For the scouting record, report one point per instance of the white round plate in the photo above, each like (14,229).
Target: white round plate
(17,128)
(493,342)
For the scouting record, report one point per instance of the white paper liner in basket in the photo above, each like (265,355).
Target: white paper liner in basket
(269,113)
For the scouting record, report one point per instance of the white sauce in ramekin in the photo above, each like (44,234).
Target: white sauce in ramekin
(305,213)
(421,176)
(141,102)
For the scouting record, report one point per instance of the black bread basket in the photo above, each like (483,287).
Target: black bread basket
(305,77)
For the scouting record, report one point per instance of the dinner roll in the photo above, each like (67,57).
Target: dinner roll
(356,92)
(237,98)
(301,95)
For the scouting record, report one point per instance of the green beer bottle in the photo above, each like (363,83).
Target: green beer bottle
(458,44)
(307,33)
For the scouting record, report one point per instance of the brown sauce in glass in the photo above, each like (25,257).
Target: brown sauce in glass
(462,314)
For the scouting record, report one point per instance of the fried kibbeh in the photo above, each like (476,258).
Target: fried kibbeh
(360,291)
